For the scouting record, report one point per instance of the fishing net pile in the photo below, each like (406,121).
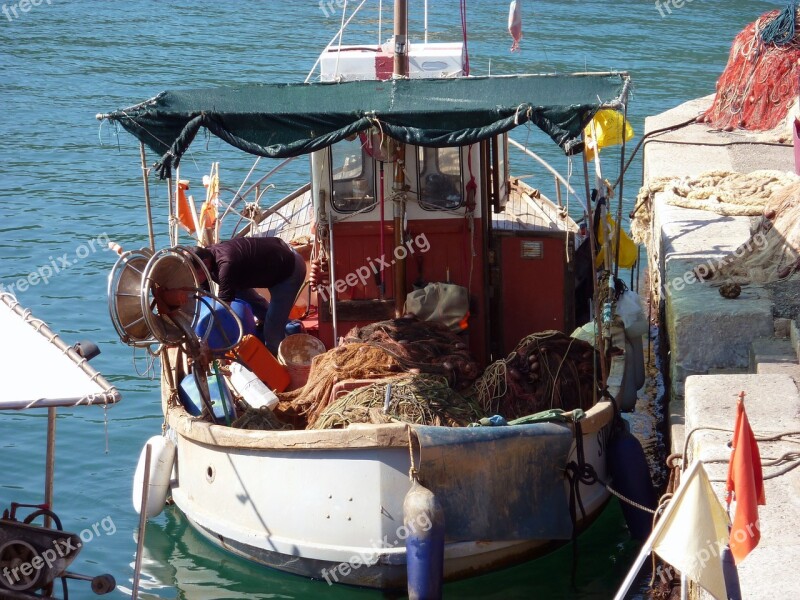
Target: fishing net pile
(772,252)
(416,399)
(379,351)
(722,192)
(259,419)
(546,370)
(421,346)
(759,84)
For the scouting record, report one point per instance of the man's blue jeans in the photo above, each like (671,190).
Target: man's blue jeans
(275,313)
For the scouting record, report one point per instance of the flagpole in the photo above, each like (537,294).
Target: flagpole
(640,560)
(647,548)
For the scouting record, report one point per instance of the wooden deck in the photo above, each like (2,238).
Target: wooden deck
(528,210)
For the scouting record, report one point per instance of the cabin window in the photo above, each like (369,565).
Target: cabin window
(353,177)
(441,185)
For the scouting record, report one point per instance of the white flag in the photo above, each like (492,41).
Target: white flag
(693,530)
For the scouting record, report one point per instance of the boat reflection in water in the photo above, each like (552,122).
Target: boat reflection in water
(177,562)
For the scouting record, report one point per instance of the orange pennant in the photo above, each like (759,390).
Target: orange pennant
(746,484)
(184,211)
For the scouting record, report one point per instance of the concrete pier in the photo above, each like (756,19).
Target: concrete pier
(720,347)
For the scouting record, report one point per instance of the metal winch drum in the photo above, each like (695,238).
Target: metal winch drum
(133,287)
(125,298)
(171,268)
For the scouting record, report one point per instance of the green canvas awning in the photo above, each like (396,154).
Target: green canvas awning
(283,120)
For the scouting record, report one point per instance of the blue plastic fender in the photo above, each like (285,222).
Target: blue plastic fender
(631,478)
(423,519)
(731,575)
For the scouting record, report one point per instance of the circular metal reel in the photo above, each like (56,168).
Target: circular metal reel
(15,554)
(124,298)
(200,266)
(169,269)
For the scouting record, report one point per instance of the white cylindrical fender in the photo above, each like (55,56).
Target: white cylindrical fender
(162,457)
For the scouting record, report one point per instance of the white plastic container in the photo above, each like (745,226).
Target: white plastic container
(251,388)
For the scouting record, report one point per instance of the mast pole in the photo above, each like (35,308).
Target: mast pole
(426,21)
(400,39)
(400,71)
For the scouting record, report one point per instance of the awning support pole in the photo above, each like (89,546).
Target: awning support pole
(334,315)
(598,310)
(400,71)
(621,187)
(146,181)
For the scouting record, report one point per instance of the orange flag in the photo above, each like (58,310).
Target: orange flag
(184,211)
(746,483)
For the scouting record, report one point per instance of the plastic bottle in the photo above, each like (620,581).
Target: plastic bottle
(251,388)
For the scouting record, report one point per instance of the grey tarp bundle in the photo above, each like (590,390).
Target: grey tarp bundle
(284,120)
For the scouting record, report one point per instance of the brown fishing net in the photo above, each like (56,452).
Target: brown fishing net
(425,364)
(349,361)
(377,351)
(260,419)
(546,370)
(417,399)
(421,346)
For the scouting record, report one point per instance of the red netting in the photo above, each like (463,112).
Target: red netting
(759,83)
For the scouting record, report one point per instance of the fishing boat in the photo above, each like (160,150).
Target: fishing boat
(410,188)
(35,550)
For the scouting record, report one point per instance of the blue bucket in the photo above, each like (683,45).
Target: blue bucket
(224,331)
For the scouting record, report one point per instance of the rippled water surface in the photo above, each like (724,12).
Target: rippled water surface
(68,184)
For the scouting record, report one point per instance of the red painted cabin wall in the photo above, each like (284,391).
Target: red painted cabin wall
(356,242)
(536,294)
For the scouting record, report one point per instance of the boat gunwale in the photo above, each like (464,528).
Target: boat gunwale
(356,436)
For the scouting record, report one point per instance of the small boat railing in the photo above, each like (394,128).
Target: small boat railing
(239,196)
(558,177)
(272,210)
(336,37)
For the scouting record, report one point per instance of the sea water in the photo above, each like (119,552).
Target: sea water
(70,184)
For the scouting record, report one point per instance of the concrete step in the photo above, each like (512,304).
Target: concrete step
(773,406)
(794,337)
(792,369)
(766,350)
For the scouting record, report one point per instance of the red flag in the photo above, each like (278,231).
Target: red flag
(746,482)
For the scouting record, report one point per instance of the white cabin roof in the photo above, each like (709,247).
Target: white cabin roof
(38,369)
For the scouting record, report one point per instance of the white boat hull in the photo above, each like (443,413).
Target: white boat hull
(328,504)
